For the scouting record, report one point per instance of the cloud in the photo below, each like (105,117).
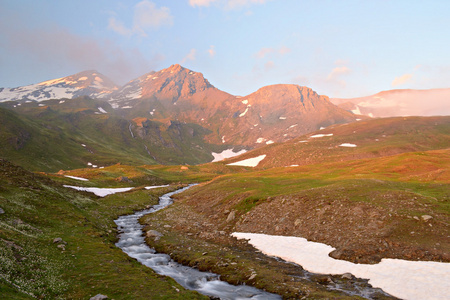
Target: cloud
(118,27)
(263,52)
(57,49)
(338,71)
(269,65)
(233,4)
(200,2)
(226,4)
(189,56)
(401,80)
(212,51)
(147,16)
(284,50)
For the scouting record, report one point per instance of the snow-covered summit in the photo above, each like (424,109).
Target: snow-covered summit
(88,83)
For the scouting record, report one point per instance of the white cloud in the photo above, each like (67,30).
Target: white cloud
(284,50)
(189,56)
(401,80)
(227,4)
(336,72)
(118,27)
(147,16)
(232,4)
(269,65)
(263,52)
(212,51)
(200,2)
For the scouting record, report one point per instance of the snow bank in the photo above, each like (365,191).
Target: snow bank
(250,162)
(243,114)
(401,278)
(101,192)
(321,135)
(77,178)
(347,145)
(155,187)
(226,154)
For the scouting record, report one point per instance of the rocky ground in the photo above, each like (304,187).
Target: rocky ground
(194,239)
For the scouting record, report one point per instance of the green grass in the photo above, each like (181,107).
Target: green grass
(37,211)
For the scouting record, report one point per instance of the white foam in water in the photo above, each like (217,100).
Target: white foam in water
(132,242)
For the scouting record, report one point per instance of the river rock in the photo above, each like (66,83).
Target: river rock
(99,297)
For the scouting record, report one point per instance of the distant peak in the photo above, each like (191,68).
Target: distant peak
(176,68)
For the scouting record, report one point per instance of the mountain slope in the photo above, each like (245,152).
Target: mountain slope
(278,113)
(87,83)
(433,102)
(72,134)
(364,139)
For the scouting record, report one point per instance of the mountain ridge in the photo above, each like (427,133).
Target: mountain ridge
(86,83)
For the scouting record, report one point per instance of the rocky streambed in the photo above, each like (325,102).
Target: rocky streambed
(131,241)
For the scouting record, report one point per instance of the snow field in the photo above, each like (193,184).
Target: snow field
(412,280)
(226,154)
(250,162)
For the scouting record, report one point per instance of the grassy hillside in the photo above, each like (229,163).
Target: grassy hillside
(71,134)
(36,211)
(370,138)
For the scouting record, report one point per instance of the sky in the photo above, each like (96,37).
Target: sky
(338,48)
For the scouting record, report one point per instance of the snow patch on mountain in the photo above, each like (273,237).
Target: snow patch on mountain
(321,135)
(347,145)
(226,154)
(250,162)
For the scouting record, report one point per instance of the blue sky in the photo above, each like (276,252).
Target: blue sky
(338,48)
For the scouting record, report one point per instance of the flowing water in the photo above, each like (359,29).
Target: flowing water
(131,241)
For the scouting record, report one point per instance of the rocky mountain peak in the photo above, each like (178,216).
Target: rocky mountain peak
(173,83)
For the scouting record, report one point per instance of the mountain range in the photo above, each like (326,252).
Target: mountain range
(173,116)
